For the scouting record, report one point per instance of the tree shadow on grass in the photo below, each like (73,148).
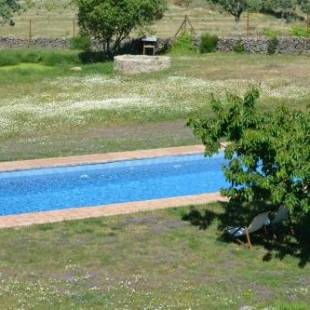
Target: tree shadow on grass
(278,241)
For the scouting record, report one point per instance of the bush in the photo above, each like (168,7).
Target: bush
(82,43)
(59,58)
(272,45)
(208,43)
(239,47)
(88,57)
(300,32)
(270,33)
(7,59)
(17,56)
(29,57)
(183,44)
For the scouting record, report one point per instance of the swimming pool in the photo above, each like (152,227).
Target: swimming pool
(115,182)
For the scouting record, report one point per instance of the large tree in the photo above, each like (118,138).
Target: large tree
(7,9)
(111,21)
(268,154)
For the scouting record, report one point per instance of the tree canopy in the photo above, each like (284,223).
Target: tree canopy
(7,9)
(234,7)
(111,21)
(305,6)
(269,155)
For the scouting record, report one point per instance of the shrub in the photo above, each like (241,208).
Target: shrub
(300,32)
(59,58)
(8,59)
(270,33)
(183,44)
(239,47)
(82,43)
(208,43)
(272,45)
(29,57)
(88,57)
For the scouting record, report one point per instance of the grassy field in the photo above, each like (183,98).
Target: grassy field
(171,259)
(56,18)
(48,110)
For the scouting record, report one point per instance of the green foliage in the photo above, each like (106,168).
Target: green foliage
(208,43)
(270,33)
(269,155)
(111,21)
(272,45)
(304,6)
(285,9)
(300,32)
(81,43)
(7,9)
(239,47)
(183,44)
(14,57)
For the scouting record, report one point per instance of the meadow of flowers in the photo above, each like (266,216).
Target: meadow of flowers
(77,101)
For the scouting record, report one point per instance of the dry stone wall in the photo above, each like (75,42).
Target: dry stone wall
(134,46)
(260,46)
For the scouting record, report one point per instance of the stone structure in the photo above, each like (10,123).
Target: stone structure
(133,64)
(286,45)
(254,45)
(11,42)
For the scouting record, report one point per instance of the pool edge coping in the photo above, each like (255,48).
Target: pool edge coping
(47,217)
(10,166)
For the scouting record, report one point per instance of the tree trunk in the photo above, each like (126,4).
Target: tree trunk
(237,18)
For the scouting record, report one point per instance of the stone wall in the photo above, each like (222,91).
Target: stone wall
(11,42)
(252,45)
(134,46)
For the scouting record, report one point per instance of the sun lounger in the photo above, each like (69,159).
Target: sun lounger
(259,221)
(280,216)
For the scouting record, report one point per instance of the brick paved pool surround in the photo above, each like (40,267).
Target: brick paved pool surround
(106,210)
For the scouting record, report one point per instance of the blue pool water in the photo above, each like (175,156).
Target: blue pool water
(124,181)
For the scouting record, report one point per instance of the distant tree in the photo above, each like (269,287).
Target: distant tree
(280,8)
(268,155)
(234,7)
(7,9)
(285,7)
(305,8)
(111,21)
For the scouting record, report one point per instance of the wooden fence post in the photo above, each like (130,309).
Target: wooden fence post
(73,27)
(248,24)
(30,32)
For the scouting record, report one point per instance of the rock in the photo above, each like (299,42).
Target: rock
(76,69)
(134,64)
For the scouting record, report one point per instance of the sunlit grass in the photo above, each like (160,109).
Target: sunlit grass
(41,104)
(151,260)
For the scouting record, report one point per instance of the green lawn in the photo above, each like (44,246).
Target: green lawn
(47,110)
(170,259)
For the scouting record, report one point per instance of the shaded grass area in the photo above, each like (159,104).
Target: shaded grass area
(48,110)
(154,260)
